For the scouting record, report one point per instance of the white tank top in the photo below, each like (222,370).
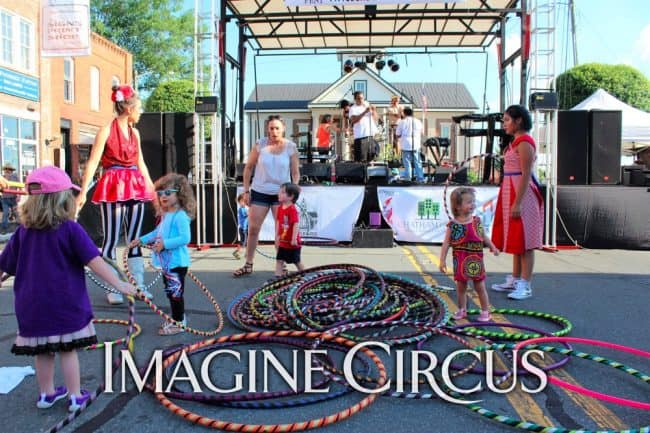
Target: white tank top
(272,170)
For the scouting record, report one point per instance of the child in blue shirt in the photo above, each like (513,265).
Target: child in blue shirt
(169,243)
(242,224)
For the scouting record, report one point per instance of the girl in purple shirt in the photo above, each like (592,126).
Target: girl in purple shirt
(47,255)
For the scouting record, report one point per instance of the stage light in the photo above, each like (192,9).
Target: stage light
(391,62)
(370,59)
(358,64)
(380,65)
(348,65)
(394,67)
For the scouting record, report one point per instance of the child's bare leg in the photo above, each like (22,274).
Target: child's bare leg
(461,295)
(71,375)
(479,286)
(300,266)
(279,268)
(45,373)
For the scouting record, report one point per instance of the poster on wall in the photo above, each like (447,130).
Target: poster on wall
(325,211)
(65,28)
(418,214)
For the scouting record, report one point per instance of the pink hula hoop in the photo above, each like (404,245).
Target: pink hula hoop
(585,391)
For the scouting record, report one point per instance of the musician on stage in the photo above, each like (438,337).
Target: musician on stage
(363,117)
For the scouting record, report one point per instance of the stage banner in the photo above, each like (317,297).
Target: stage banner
(325,211)
(65,28)
(417,214)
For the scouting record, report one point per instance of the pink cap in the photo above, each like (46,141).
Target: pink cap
(49,179)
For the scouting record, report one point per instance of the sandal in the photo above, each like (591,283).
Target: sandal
(460,314)
(244,270)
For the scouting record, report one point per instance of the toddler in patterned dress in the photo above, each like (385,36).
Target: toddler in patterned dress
(467,238)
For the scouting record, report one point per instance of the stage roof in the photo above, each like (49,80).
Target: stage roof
(276,26)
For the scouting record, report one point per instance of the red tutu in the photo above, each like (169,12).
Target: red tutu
(122,184)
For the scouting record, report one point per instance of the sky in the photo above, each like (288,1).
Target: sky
(606,32)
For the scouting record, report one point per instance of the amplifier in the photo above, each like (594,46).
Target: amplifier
(543,101)
(372,238)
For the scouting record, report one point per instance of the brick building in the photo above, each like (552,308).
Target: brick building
(52,107)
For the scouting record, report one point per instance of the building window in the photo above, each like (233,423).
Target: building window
(26,45)
(68,79)
(360,86)
(94,88)
(18,144)
(7,40)
(115,81)
(17,36)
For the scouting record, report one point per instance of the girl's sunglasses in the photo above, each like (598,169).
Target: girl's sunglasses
(166,192)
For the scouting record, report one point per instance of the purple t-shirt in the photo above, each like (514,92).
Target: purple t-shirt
(50,286)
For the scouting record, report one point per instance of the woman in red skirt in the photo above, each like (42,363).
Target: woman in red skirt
(125,184)
(519,219)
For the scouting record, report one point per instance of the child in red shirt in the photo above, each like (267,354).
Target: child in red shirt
(287,231)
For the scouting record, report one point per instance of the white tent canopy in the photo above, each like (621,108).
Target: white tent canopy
(636,123)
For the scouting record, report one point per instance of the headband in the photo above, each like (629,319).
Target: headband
(122,93)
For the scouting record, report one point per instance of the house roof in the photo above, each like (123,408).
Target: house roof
(367,25)
(439,96)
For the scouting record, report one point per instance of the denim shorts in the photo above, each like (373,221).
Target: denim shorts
(266,200)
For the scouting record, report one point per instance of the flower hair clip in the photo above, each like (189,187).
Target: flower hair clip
(122,94)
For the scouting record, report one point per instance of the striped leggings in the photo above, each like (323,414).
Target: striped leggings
(127,214)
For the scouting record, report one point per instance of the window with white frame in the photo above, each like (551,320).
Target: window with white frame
(26,45)
(17,36)
(68,79)
(94,88)
(7,39)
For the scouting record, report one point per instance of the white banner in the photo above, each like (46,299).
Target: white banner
(325,211)
(362,2)
(65,28)
(417,214)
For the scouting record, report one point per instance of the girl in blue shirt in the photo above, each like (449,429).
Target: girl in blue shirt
(169,241)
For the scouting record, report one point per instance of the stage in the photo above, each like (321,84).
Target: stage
(607,217)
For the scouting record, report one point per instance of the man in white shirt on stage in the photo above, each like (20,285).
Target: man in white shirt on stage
(362,117)
(409,131)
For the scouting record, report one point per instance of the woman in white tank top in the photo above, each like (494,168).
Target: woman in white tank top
(275,161)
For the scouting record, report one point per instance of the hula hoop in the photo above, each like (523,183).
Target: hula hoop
(100,345)
(167,317)
(565,324)
(297,426)
(584,391)
(318,241)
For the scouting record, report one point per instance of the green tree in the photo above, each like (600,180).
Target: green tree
(172,96)
(156,32)
(625,82)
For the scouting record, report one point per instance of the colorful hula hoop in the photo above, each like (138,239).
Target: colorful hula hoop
(297,426)
(584,391)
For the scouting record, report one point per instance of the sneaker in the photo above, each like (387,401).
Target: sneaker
(47,401)
(507,286)
(114,298)
(77,401)
(460,314)
(236,255)
(484,316)
(522,290)
(169,328)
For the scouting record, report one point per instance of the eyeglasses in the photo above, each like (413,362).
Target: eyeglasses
(166,192)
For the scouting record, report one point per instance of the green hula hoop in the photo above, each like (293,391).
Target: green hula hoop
(563,322)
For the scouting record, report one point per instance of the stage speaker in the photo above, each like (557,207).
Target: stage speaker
(543,101)
(572,147)
(351,172)
(605,147)
(372,238)
(151,141)
(442,174)
(178,142)
(317,171)
(378,174)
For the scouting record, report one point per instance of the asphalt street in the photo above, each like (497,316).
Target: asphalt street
(604,293)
